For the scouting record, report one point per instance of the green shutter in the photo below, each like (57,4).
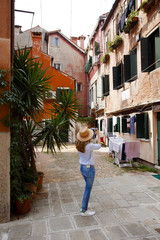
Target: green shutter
(103,86)
(58,93)
(124,125)
(121,73)
(115,77)
(127,67)
(117,127)
(106,85)
(144,55)
(97,48)
(96,124)
(157,51)
(146,126)
(110,125)
(140,125)
(133,64)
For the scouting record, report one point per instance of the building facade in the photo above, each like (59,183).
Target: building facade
(128,80)
(67,55)
(132,108)
(94,69)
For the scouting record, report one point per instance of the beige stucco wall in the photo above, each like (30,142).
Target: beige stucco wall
(146,88)
(4,177)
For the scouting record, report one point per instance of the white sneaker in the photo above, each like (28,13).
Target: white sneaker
(87,213)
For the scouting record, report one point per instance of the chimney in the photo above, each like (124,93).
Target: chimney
(17,29)
(74,40)
(36,43)
(81,39)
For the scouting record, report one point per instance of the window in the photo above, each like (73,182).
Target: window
(96,91)
(115,25)
(57,66)
(108,38)
(96,124)
(61,92)
(150,52)
(54,41)
(118,76)
(101,124)
(130,66)
(110,125)
(96,48)
(92,98)
(126,124)
(79,87)
(105,85)
(117,126)
(142,125)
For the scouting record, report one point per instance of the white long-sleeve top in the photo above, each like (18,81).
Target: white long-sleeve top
(86,158)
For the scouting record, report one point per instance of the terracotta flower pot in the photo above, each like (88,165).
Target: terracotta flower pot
(31,187)
(40,180)
(23,207)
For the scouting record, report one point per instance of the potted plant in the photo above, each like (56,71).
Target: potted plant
(23,203)
(147,5)
(105,57)
(131,21)
(117,41)
(40,180)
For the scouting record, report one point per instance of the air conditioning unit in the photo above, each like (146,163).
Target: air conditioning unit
(51,95)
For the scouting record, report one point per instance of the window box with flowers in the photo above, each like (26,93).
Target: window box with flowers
(147,5)
(105,58)
(131,21)
(114,44)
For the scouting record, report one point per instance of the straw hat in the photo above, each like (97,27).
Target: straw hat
(84,134)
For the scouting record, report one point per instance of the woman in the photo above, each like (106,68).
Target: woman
(85,149)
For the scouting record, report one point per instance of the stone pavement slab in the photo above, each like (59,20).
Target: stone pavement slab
(127,208)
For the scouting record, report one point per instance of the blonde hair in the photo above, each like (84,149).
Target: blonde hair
(80,146)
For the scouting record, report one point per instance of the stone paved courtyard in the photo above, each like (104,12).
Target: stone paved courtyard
(127,203)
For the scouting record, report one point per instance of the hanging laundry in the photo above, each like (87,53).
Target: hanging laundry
(128,122)
(114,121)
(132,149)
(132,129)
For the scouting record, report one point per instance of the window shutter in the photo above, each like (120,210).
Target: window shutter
(96,123)
(117,127)
(157,51)
(97,48)
(58,93)
(121,73)
(133,64)
(110,125)
(127,67)
(140,125)
(115,77)
(105,85)
(146,126)
(144,54)
(124,125)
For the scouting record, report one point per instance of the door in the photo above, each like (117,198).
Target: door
(158,123)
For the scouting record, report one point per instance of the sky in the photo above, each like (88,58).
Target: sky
(73,17)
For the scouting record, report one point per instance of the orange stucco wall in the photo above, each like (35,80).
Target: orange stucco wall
(58,79)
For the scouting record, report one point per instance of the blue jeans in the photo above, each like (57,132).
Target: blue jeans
(88,174)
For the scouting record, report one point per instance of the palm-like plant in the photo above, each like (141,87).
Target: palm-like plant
(66,103)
